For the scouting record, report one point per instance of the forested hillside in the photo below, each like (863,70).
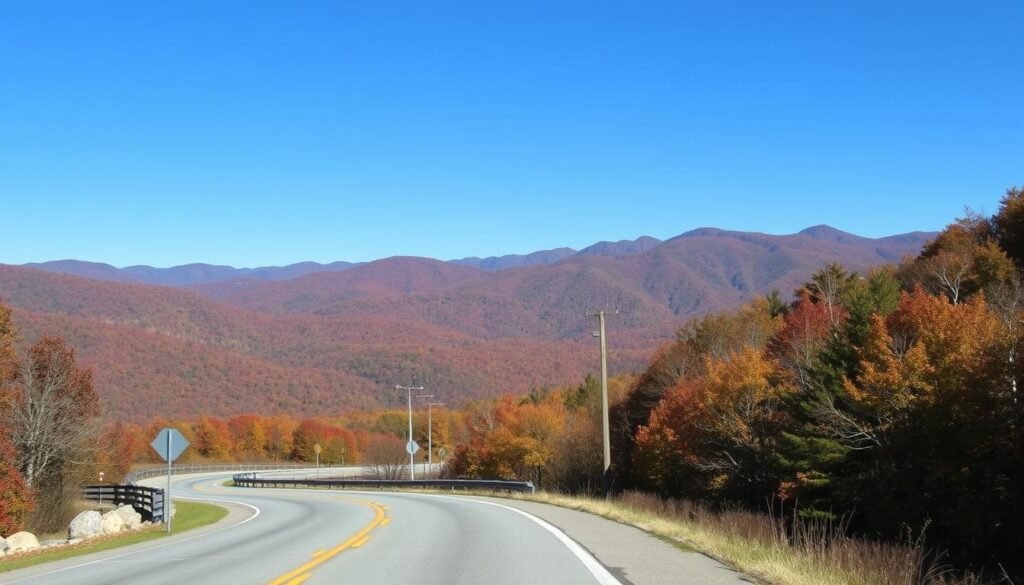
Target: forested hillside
(338,340)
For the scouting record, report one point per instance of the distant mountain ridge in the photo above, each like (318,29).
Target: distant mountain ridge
(186,274)
(268,341)
(517,260)
(195,274)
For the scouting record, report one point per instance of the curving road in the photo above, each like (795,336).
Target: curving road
(288,537)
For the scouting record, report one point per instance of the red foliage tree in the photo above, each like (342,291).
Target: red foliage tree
(16,500)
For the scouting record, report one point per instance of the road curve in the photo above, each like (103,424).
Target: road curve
(289,537)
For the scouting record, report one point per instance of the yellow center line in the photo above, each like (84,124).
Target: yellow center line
(319,552)
(291,578)
(361,542)
(299,580)
(386,521)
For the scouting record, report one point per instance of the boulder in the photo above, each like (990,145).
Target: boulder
(130,517)
(3,545)
(50,543)
(21,542)
(85,525)
(111,523)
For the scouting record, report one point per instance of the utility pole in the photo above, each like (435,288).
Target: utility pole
(412,460)
(430,434)
(606,476)
(428,397)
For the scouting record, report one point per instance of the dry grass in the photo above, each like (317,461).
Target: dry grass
(805,553)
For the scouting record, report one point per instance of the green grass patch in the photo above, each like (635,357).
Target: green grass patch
(189,515)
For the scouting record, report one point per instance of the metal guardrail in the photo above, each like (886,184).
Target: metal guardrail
(250,480)
(146,500)
(161,470)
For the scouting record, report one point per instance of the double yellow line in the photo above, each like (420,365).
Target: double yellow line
(299,575)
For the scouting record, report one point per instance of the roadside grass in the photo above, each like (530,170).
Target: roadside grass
(188,515)
(764,548)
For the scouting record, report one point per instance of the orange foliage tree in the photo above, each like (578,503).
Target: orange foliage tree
(715,434)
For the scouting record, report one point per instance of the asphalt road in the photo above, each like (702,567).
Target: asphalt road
(288,537)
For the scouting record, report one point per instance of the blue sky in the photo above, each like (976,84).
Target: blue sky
(267,133)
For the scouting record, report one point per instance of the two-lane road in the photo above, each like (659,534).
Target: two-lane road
(325,537)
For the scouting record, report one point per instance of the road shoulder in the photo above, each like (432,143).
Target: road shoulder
(632,555)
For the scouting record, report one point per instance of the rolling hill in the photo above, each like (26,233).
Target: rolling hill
(186,274)
(333,340)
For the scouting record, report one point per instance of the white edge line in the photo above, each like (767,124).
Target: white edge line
(155,546)
(603,576)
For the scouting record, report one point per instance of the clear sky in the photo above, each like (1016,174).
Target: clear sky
(253,133)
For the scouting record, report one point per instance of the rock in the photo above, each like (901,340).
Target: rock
(87,524)
(111,523)
(74,541)
(130,517)
(50,543)
(21,542)
(3,545)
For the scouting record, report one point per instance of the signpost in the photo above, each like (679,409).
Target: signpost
(411,448)
(169,444)
(317,449)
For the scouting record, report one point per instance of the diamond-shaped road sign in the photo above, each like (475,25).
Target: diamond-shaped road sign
(169,443)
(412,447)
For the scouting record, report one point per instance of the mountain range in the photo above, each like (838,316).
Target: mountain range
(322,338)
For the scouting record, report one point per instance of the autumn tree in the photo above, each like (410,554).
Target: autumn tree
(16,498)
(720,334)
(1009,225)
(16,502)
(713,336)
(797,346)
(119,445)
(53,422)
(53,417)
(667,451)
(387,459)
(946,425)
(213,439)
(337,444)
(8,354)
(248,436)
(964,259)
(831,287)
(815,447)
(279,436)
(714,435)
